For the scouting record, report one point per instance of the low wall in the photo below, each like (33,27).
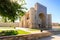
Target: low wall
(26,37)
(9,24)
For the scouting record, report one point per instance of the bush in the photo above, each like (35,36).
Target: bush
(8,32)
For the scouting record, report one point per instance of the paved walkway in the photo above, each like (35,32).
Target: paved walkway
(28,30)
(54,37)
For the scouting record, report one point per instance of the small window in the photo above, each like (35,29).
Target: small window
(27,18)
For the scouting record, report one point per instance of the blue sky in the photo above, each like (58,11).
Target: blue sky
(53,7)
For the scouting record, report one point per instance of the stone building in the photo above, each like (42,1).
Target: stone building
(36,17)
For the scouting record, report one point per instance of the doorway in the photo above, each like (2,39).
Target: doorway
(43,20)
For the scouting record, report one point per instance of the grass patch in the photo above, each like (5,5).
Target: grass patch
(12,32)
(22,32)
(6,31)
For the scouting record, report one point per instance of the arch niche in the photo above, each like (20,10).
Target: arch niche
(43,20)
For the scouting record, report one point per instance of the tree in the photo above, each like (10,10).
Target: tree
(11,9)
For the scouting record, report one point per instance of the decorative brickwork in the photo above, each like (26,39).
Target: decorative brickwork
(36,17)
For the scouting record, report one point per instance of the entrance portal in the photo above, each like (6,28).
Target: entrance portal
(43,21)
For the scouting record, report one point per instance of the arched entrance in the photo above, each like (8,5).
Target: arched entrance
(43,21)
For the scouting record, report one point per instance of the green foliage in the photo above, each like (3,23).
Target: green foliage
(11,10)
(8,32)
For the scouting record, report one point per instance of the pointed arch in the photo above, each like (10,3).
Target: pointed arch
(43,20)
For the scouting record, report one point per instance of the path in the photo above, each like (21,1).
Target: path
(54,37)
(31,31)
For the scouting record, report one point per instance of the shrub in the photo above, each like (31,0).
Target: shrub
(8,32)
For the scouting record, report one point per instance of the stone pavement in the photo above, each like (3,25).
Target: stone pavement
(53,37)
(28,30)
